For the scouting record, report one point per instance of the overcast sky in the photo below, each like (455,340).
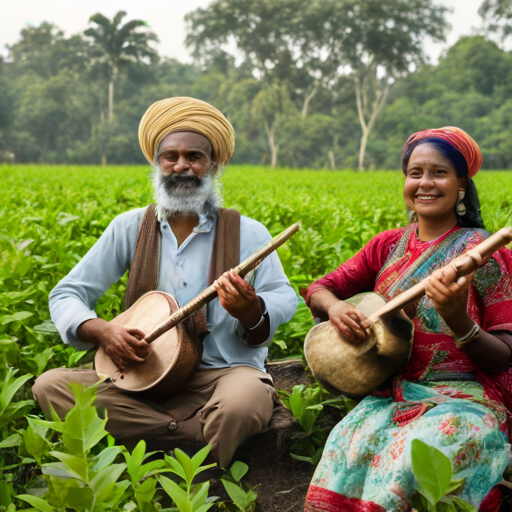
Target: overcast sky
(166,19)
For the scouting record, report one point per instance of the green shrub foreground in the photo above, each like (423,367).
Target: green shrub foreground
(51,216)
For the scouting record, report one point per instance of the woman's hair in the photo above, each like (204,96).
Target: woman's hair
(473,216)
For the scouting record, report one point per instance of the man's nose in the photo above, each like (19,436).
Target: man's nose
(182,164)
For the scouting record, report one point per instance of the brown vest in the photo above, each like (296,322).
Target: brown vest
(145,267)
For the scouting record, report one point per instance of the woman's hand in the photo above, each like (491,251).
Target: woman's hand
(448,294)
(348,320)
(238,298)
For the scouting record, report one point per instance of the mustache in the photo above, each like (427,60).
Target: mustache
(177,180)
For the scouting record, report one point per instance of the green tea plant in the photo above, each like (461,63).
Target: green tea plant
(80,480)
(434,475)
(50,216)
(306,403)
(244,499)
(190,498)
(82,473)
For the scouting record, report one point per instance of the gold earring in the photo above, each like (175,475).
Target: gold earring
(461,207)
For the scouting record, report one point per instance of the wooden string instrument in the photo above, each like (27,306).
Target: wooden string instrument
(175,353)
(358,369)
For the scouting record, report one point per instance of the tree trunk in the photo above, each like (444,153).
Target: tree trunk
(103,135)
(332,162)
(106,132)
(374,111)
(274,148)
(362,148)
(111,100)
(307,99)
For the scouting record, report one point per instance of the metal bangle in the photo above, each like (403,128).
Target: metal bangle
(472,335)
(262,319)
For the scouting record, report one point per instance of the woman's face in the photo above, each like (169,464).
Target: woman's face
(431,184)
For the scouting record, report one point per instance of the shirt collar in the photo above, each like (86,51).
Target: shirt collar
(204,225)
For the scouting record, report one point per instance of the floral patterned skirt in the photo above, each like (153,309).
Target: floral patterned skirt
(366,464)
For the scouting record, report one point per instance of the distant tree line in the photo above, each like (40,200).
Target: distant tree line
(306,83)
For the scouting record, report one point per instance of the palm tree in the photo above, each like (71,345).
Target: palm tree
(115,46)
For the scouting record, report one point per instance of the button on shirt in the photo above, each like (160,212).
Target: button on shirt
(183,274)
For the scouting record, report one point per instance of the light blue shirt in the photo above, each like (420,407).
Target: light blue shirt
(183,274)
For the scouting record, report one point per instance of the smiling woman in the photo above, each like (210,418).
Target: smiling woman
(458,373)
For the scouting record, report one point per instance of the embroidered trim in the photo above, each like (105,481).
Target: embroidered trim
(324,500)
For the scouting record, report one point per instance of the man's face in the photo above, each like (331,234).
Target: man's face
(185,158)
(184,178)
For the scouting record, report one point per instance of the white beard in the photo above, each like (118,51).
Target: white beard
(205,199)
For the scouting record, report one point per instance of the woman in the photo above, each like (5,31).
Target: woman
(451,394)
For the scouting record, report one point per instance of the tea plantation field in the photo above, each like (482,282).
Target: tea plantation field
(50,217)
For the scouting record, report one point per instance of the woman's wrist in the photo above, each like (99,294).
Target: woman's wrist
(460,325)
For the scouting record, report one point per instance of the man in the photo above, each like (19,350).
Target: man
(230,397)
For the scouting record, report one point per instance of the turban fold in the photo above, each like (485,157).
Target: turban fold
(182,114)
(459,139)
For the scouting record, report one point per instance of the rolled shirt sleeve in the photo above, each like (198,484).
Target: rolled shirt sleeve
(73,300)
(183,273)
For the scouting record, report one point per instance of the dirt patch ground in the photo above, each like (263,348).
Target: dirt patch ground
(283,481)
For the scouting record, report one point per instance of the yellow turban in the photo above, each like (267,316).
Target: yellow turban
(182,114)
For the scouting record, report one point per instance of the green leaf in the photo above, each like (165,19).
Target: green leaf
(103,483)
(200,456)
(146,469)
(185,463)
(459,504)
(105,457)
(76,465)
(200,496)
(41,359)
(17,317)
(79,498)
(37,503)
(83,427)
(135,460)
(177,494)
(238,470)
(205,507)
(432,470)
(58,469)
(11,441)
(10,387)
(176,466)
(6,494)
(16,410)
(237,494)
(455,484)
(35,443)
(296,401)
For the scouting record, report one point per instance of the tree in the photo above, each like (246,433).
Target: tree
(115,47)
(374,42)
(312,43)
(44,51)
(272,105)
(497,15)
(269,35)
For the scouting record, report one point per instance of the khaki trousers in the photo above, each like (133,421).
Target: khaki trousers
(222,407)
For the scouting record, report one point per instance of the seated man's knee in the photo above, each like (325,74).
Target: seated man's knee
(242,410)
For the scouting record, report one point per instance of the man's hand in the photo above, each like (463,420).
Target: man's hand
(238,298)
(348,320)
(121,344)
